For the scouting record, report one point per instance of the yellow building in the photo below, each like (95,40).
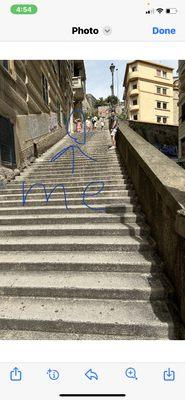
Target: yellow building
(149,92)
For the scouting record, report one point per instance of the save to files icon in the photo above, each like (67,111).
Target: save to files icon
(169,375)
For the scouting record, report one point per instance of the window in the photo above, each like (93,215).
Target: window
(158,72)
(164,106)
(135,117)
(134,86)
(161,119)
(134,68)
(135,102)
(45,89)
(158,104)
(161,90)
(164,74)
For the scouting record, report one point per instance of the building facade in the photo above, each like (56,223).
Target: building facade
(176,101)
(149,92)
(79,85)
(182,110)
(36,100)
(89,104)
(104,111)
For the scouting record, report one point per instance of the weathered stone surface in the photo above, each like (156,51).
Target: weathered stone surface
(6,174)
(16,172)
(180,223)
(156,133)
(160,186)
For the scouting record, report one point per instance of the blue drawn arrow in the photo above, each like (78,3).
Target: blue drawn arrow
(71,149)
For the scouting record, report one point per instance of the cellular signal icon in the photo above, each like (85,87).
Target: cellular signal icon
(160,10)
(150,11)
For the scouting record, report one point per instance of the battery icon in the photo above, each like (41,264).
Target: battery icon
(171,11)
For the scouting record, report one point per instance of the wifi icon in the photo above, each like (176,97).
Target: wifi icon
(160,10)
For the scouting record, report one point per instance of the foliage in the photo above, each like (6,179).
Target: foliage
(123,115)
(101,102)
(110,100)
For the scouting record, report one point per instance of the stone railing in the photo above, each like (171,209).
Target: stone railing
(160,186)
(156,133)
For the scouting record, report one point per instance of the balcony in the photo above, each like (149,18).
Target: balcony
(134,92)
(133,75)
(78,88)
(134,108)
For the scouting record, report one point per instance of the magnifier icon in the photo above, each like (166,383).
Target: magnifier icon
(131,373)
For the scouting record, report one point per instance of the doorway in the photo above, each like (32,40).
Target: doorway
(7,146)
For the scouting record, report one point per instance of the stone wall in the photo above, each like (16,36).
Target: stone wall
(48,140)
(156,133)
(33,108)
(160,186)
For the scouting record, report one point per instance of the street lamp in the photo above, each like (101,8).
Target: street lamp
(112,68)
(117,77)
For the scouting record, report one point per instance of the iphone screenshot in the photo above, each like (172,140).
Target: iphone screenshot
(92,200)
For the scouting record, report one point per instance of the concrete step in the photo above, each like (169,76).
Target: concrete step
(88,316)
(70,180)
(94,218)
(70,187)
(36,335)
(144,262)
(74,243)
(97,156)
(88,168)
(97,160)
(58,194)
(48,209)
(82,164)
(75,230)
(53,201)
(92,285)
(87,175)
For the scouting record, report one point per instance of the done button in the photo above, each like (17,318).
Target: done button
(163,31)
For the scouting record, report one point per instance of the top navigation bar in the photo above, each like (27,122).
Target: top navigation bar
(105,20)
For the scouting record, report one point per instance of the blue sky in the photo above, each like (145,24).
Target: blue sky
(99,76)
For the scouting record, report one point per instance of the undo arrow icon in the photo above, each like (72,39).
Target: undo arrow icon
(90,374)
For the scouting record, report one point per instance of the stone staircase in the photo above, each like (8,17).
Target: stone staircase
(80,273)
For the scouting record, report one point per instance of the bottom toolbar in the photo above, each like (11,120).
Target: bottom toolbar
(27,381)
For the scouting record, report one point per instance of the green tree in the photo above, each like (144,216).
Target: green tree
(112,100)
(100,102)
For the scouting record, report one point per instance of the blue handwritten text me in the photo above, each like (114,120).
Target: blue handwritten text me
(72,149)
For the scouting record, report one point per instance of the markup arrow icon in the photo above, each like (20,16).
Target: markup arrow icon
(90,374)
